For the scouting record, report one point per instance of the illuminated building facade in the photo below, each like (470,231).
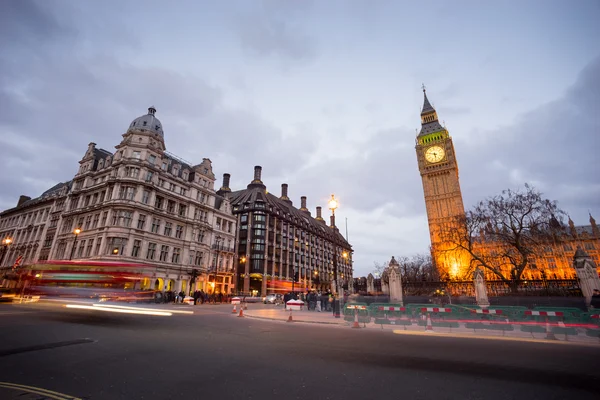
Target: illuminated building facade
(140,204)
(443,200)
(277,241)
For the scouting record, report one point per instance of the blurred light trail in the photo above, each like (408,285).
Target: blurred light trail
(141,308)
(117,310)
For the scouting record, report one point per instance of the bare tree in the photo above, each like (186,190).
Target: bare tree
(503,233)
(378,268)
(417,268)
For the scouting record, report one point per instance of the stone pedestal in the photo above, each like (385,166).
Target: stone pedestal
(385,279)
(395,282)
(480,289)
(587,274)
(370,284)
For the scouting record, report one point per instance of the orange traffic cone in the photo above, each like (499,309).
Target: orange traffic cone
(241,312)
(355,324)
(549,334)
(234,309)
(429,327)
(290,317)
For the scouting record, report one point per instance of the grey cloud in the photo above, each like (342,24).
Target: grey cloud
(27,22)
(269,32)
(556,149)
(69,101)
(383,171)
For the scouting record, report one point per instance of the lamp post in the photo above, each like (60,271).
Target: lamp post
(239,275)
(217,241)
(5,243)
(333,205)
(76,232)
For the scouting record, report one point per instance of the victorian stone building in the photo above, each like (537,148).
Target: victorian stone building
(281,247)
(138,204)
(438,166)
(28,230)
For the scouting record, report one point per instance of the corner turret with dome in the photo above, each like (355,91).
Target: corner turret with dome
(147,122)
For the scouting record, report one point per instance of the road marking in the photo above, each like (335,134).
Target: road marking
(40,391)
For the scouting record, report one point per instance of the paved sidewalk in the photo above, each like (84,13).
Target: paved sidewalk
(279,314)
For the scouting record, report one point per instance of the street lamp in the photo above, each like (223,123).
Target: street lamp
(241,270)
(333,205)
(5,243)
(217,241)
(76,232)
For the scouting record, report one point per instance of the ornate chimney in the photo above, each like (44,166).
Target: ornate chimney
(319,217)
(256,182)
(225,187)
(257,174)
(284,193)
(303,205)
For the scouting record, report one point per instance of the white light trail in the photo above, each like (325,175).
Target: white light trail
(141,308)
(117,310)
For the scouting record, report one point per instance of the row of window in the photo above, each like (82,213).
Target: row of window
(26,218)
(27,235)
(300,236)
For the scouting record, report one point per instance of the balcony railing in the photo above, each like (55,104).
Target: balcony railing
(220,247)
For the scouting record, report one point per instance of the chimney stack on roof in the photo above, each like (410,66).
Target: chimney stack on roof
(225,186)
(303,205)
(256,182)
(284,193)
(257,173)
(319,217)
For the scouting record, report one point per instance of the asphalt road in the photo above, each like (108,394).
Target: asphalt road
(215,355)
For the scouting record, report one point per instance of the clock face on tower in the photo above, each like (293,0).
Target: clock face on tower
(434,154)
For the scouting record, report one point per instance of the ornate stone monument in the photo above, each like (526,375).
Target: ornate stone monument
(385,279)
(370,285)
(586,273)
(480,288)
(395,279)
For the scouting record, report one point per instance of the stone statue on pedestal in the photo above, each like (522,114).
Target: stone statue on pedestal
(370,284)
(480,288)
(385,279)
(587,274)
(395,282)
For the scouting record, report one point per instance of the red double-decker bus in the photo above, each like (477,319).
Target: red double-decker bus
(90,279)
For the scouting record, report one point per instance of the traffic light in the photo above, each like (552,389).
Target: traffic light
(194,275)
(296,276)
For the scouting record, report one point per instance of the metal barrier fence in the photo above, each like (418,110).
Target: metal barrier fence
(564,287)
(543,320)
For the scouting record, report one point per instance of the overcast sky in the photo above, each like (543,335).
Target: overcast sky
(325,95)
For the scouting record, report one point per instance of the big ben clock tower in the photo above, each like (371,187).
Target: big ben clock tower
(443,198)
